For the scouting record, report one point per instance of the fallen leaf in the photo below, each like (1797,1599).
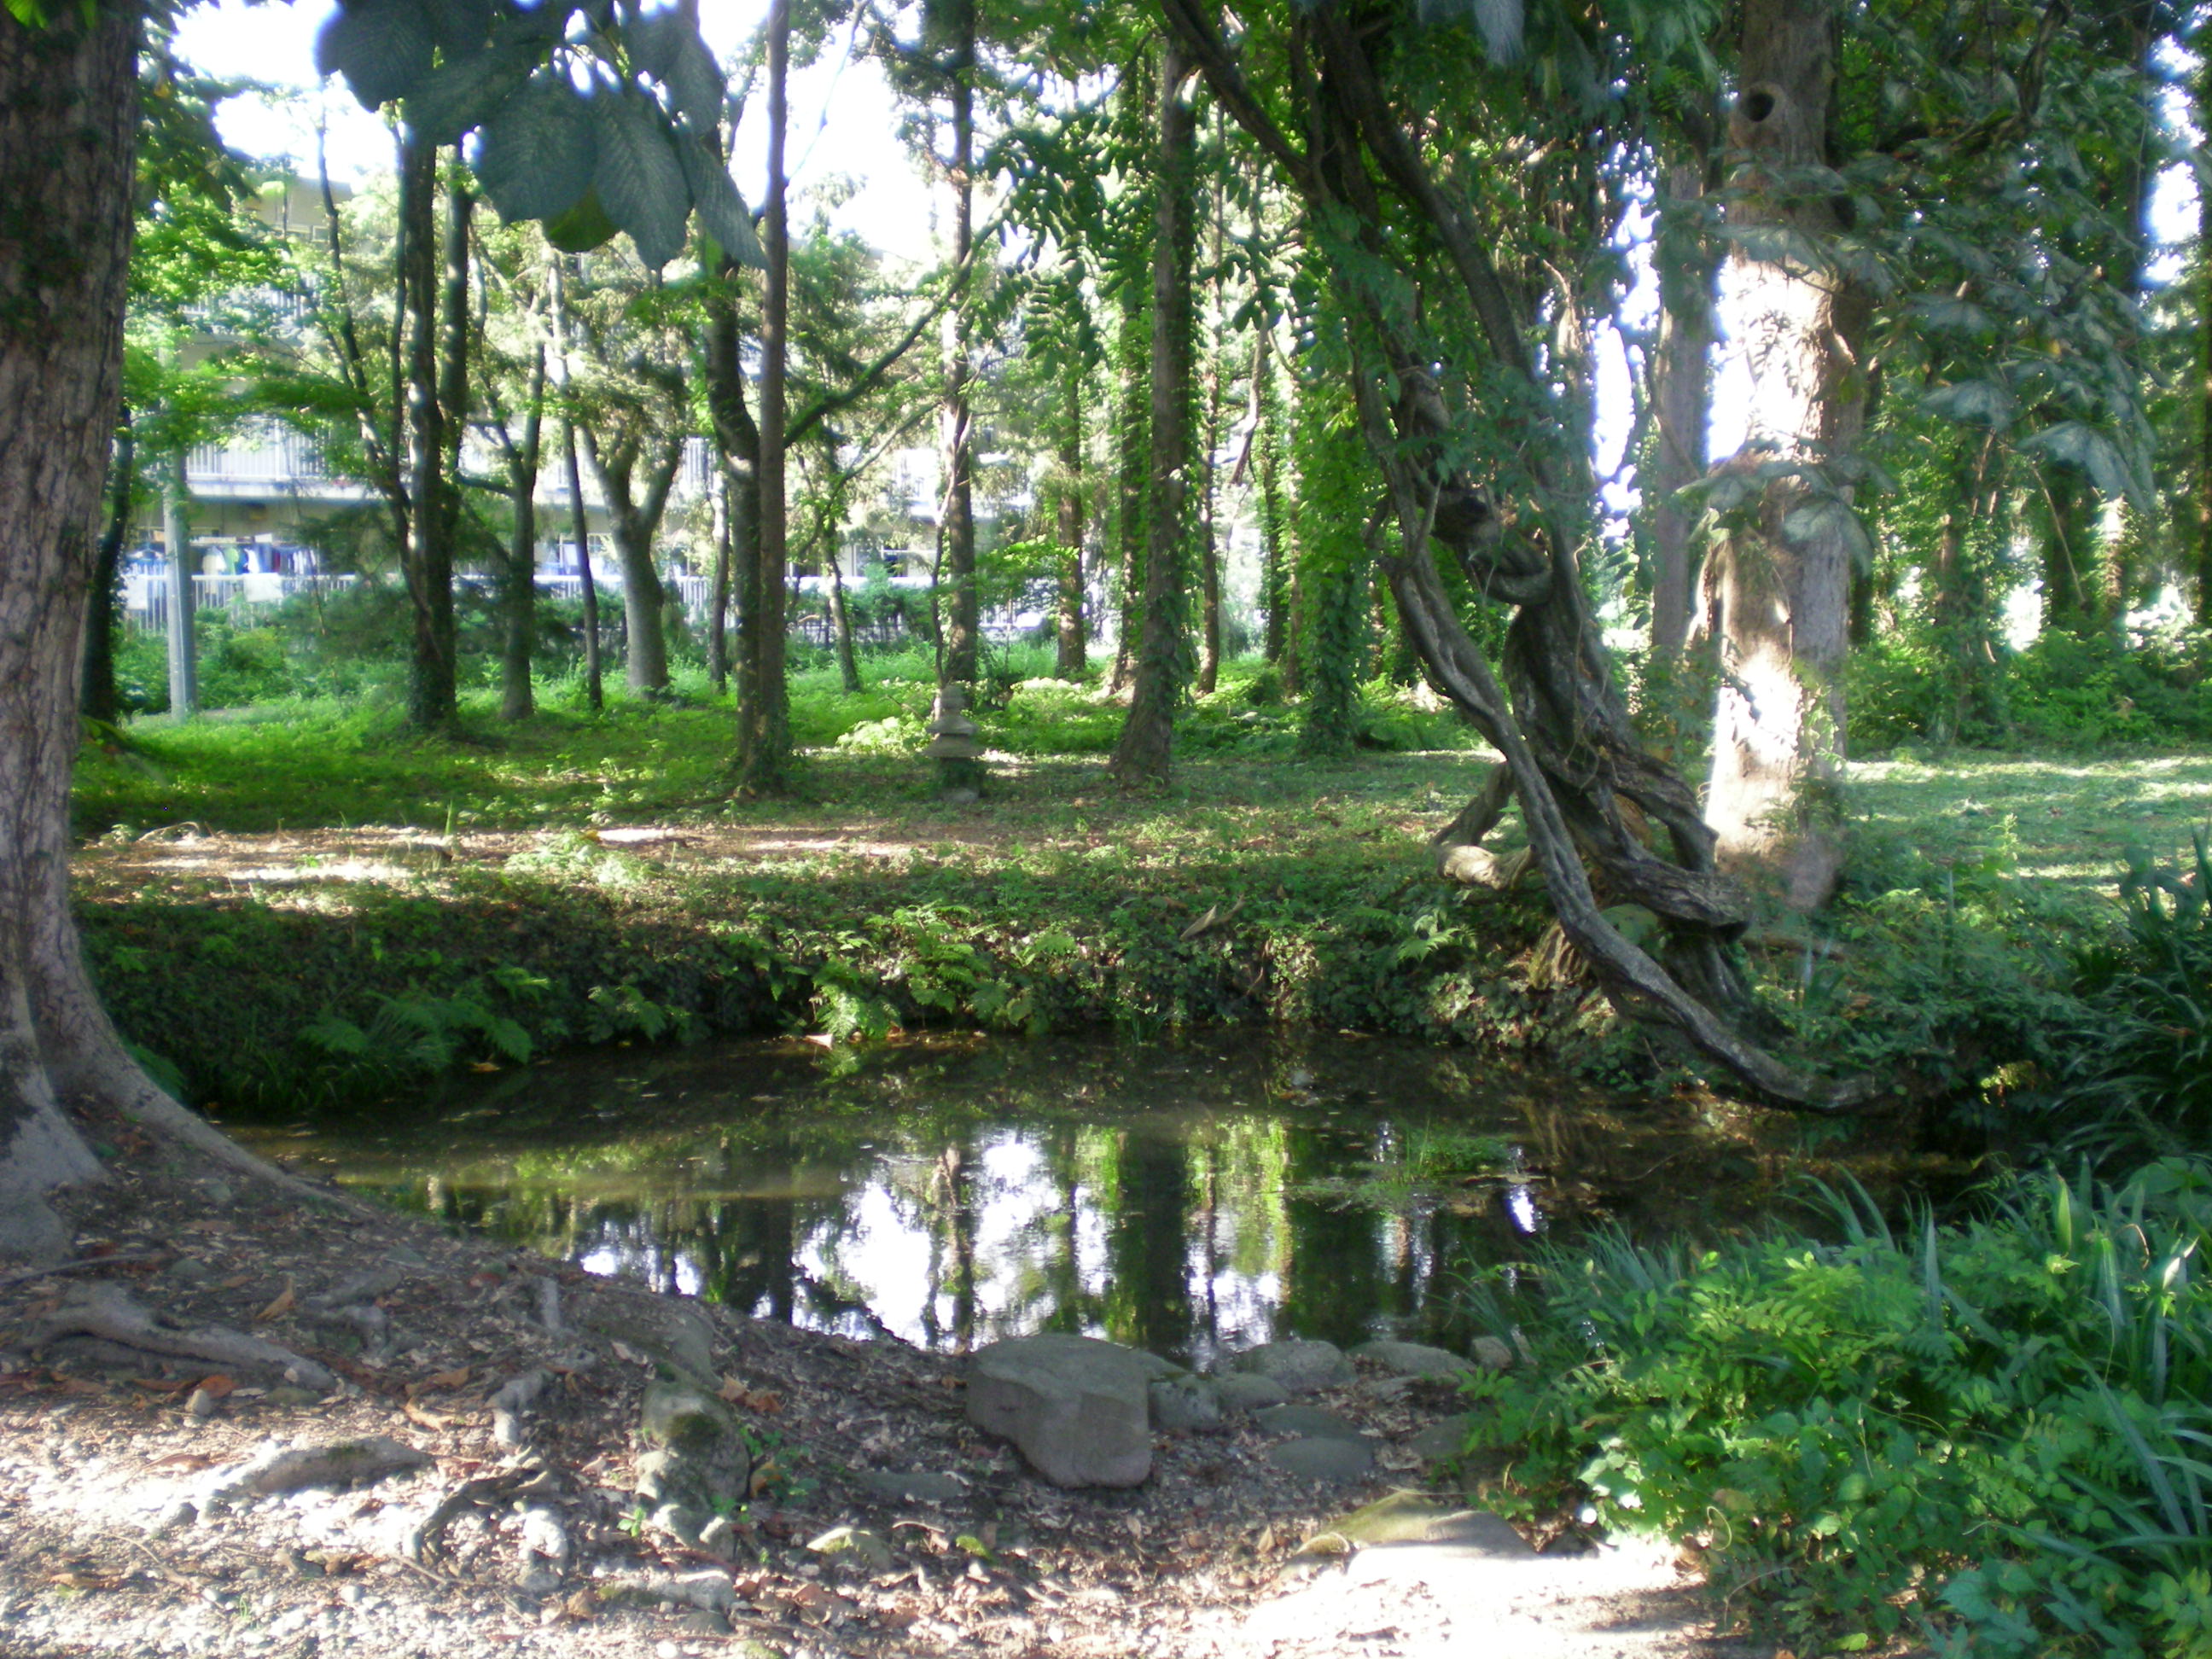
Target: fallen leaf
(80,1385)
(423,1420)
(440,1380)
(186,1461)
(161,1385)
(476,1065)
(77,1579)
(752,1399)
(765,1476)
(236,1282)
(219,1385)
(582,1606)
(284,1304)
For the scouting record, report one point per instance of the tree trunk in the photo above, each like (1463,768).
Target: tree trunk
(718,599)
(1143,754)
(1072,658)
(1131,448)
(764,725)
(595,689)
(96,689)
(69,107)
(184,635)
(517,588)
(739,439)
(1681,403)
(1209,445)
(1781,590)
(841,617)
(956,555)
(427,555)
(634,520)
(1266,446)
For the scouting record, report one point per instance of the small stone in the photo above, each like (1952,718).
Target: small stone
(1492,1354)
(540,1583)
(1322,1460)
(189,1270)
(1299,1365)
(204,1405)
(1241,1391)
(219,1194)
(1415,1358)
(856,1543)
(705,1622)
(1311,1422)
(666,1650)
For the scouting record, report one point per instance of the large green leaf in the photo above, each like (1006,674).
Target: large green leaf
(2091,452)
(1979,403)
(721,210)
(459,27)
(462,92)
(667,45)
(582,227)
(639,179)
(539,149)
(382,48)
(1830,518)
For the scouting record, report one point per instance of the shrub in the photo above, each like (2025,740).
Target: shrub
(1992,1430)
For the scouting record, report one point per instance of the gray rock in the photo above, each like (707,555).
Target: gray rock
(1242,1391)
(662,1327)
(1311,1422)
(1441,1442)
(1299,1365)
(923,1488)
(1077,1407)
(1413,1360)
(705,1621)
(1492,1354)
(1322,1460)
(697,1457)
(1185,1405)
(680,1521)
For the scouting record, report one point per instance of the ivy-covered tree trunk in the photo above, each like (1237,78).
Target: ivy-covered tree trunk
(69,107)
(1781,581)
(97,694)
(518,587)
(1143,753)
(1131,448)
(953,23)
(2203,494)
(1070,637)
(427,553)
(1335,494)
(764,721)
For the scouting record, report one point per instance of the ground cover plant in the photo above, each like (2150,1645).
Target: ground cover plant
(1990,1432)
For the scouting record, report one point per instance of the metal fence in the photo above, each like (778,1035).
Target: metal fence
(146,595)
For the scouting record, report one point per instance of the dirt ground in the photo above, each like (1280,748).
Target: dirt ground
(110,1541)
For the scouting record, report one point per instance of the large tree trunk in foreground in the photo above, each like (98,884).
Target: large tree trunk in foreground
(951,23)
(763,722)
(427,554)
(69,104)
(1073,640)
(518,587)
(1148,735)
(1781,587)
(635,519)
(1681,406)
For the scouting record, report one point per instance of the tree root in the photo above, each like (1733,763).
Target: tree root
(104,1311)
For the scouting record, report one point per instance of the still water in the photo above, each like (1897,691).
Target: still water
(1187,1199)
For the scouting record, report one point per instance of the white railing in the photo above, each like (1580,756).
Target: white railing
(146,594)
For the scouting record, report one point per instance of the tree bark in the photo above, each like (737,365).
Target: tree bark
(634,516)
(718,598)
(1780,588)
(595,689)
(96,687)
(1143,753)
(1131,446)
(841,623)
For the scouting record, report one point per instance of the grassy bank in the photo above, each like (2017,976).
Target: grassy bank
(304,902)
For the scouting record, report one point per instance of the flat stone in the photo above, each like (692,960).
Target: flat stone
(1077,1407)
(1299,1365)
(1242,1391)
(1327,1459)
(698,1458)
(921,1488)
(1311,1422)
(1185,1405)
(1441,1442)
(1412,1518)
(1415,1359)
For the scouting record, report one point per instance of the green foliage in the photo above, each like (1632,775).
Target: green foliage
(1990,1429)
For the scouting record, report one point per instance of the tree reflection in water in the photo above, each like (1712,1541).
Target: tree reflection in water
(1185,1198)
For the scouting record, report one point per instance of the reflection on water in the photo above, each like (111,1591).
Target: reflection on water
(1183,1199)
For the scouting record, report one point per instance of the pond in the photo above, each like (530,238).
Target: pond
(1187,1199)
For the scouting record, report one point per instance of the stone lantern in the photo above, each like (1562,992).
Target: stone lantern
(953,745)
